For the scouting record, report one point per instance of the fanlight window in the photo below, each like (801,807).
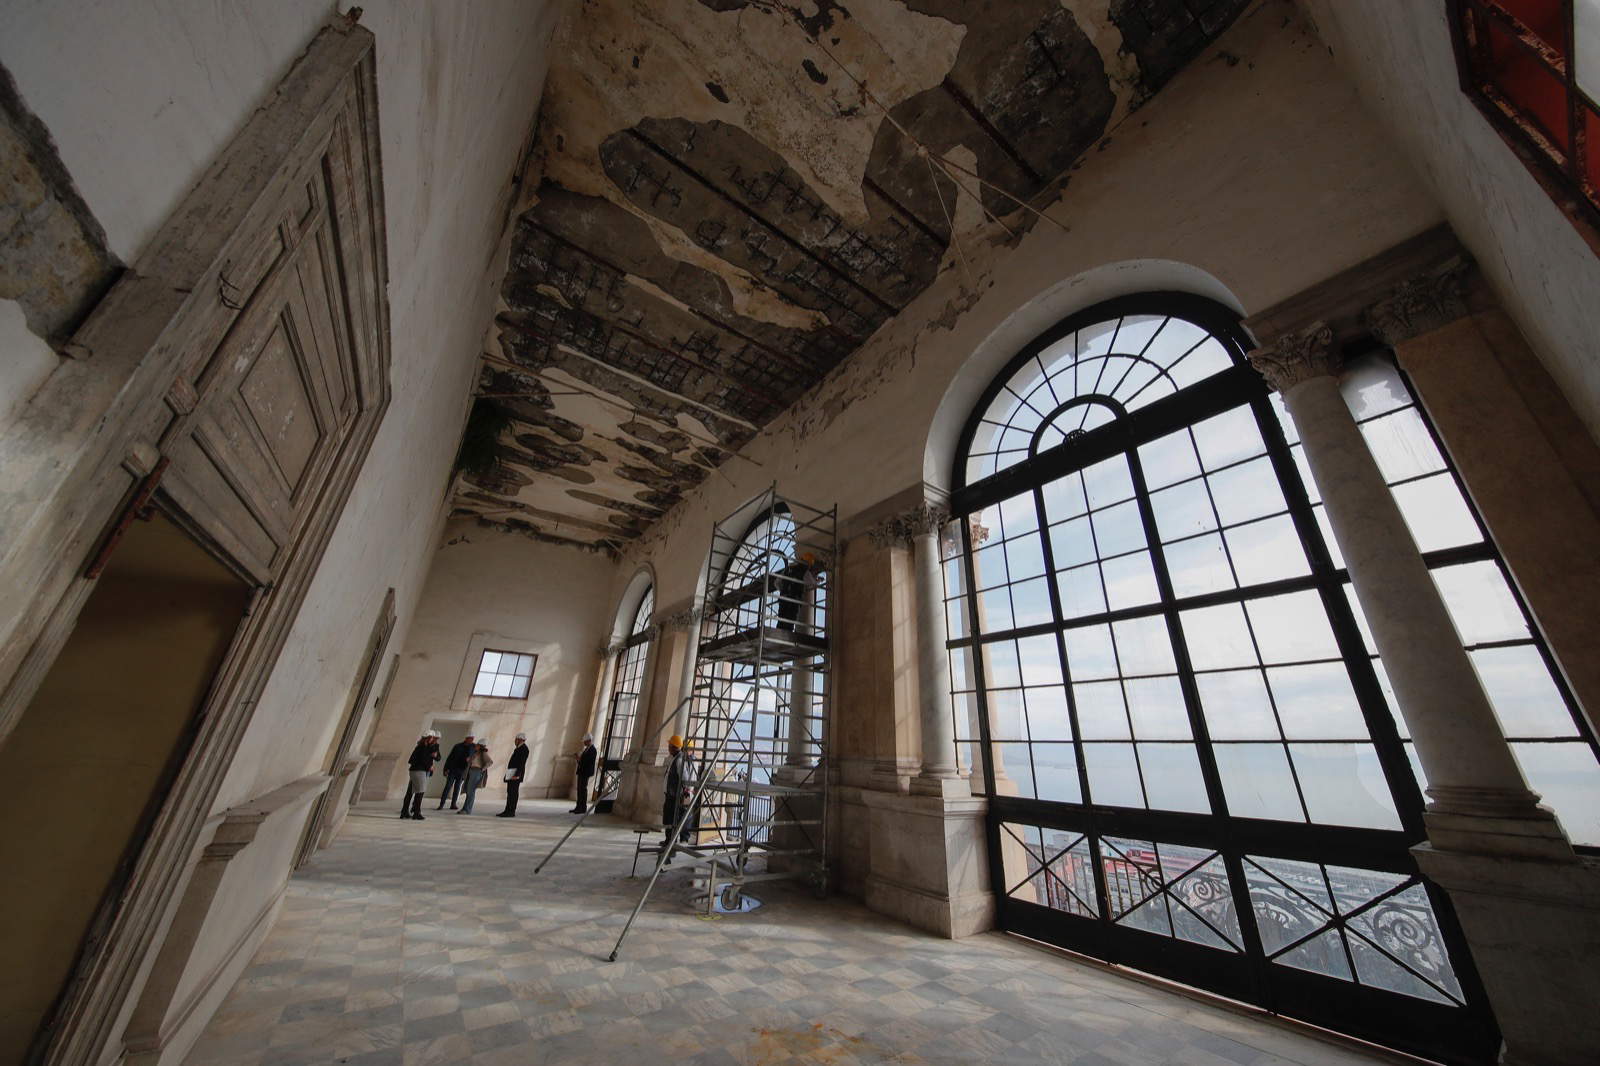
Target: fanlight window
(1086,378)
(766,549)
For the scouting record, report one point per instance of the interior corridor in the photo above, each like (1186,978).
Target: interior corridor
(408,944)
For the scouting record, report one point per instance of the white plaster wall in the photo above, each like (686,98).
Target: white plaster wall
(1402,61)
(551,600)
(1244,180)
(140,98)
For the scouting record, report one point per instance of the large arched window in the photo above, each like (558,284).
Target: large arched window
(627,690)
(1163,687)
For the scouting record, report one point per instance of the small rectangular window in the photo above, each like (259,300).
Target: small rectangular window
(1533,67)
(503,674)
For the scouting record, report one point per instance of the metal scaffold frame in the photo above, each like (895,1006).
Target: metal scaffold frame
(756,765)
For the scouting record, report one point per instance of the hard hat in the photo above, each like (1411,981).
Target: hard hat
(688,744)
(522,736)
(674,741)
(807,558)
(588,736)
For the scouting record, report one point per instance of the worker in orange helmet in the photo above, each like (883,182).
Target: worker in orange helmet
(679,786)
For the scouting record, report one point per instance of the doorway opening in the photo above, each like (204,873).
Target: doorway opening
(97,750)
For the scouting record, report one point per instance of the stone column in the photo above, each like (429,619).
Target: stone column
(803,685)
(1475,786)
(1528,906)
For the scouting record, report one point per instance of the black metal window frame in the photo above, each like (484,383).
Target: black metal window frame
(521,674)
(1389,1017)
(628,680)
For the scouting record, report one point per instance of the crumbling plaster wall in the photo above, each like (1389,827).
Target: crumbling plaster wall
(547,599)
(1403,64)
(1255,174)
(139,100)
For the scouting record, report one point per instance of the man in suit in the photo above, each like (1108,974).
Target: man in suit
(455,771)
(516,770)
(586,759)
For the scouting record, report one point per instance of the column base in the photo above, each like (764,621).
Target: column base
(1531,832)
(927,864)
(1533,926)
(948,786)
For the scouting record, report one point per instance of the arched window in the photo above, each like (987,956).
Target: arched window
(627,690)
(1162,685)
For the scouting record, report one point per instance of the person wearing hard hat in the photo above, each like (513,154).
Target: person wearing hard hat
(680,783)
(516,769)
(586,759)
(792,585)
(420,768)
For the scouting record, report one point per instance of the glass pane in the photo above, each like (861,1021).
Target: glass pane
(1013,770)
(1316,702)
(1168,459)
(1071,885)
(1198,566)
(1024,557)
(990,566)
(1172,777)
(1322,954)
(1063,498)
(994,610)
(1292,628)
(1372,387)
(1289,898)
(501,686)
(1089,653)
(519,688)
(1183,510)
(1113,775)
(1047,714)
(1101,714)
(1118,529)
(1480,603)
(1130,581)
(962,678)
(1132,874)
(1524,697)
(1030,603)
(1402,446)
(1107,482)
(1568,778)
(1203,910)
(1000,667)
(1247,491)
(1266,551)
(1021,852)
(1344,785)
(1236,706)
(966,715)
(1080,591)
(955,613)
(1055,768)
(1040,660)
(1436,514)
(1227,438)
(484,685)
(1155,704)
(1143,646)
(1217,637)
(1018,515)
(1005,715)
(1257,781)
(1405,928)
(1072,543)
(491,662)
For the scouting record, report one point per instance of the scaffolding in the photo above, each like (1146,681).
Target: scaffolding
(756,767)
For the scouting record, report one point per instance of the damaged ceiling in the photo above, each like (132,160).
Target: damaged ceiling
(732,198)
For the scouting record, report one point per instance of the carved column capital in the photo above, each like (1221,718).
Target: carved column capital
(1298,356)
(1420,304)
(902,528)
(684,619)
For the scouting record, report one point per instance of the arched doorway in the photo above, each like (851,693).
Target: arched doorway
(1162,686)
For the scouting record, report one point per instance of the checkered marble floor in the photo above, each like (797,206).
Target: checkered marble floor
(407,944)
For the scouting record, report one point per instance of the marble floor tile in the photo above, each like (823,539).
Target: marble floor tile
(408,944)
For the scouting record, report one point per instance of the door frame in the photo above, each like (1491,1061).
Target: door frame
(106,418)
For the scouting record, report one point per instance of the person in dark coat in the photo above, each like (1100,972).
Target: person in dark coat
(586,759)
(516,770)
(423,756)
(790,585)
(679,785)
(455,771)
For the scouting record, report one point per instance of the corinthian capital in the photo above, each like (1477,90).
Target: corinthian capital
(1298,356)
(907,525)
(683,619)
(1421,304)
